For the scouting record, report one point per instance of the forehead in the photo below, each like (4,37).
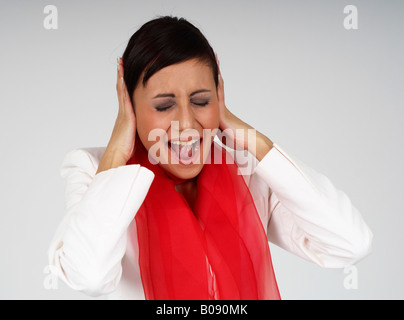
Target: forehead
(181,77)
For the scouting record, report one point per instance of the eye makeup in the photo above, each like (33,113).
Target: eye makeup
(168,104)
(200,100)
(201,103)
(165,104)
(163,108)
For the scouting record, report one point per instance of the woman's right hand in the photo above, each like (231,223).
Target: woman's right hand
(122,142)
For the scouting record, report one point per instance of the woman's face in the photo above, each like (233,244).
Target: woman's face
(179,101)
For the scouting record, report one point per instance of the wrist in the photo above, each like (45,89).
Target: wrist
(263,146)
(248,138)
(110,160)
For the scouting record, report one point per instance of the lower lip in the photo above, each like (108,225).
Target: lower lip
(189,161)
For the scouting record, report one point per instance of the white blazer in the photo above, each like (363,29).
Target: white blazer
(95,248)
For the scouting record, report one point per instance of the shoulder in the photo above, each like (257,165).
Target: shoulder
(84,159)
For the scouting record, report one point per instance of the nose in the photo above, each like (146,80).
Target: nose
(186,117)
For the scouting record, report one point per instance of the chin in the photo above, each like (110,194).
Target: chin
(185,173)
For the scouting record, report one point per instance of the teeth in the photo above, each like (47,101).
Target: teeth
(184,143)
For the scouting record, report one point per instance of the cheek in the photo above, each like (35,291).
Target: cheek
(146,122)
(142,124)
(210,117)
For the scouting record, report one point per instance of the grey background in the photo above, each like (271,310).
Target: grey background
(331,97)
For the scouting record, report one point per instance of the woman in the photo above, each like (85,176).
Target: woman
(161,212)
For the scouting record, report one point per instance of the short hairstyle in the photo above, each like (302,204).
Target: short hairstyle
(162,42)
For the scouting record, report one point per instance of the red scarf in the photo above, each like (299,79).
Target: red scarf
(219,251)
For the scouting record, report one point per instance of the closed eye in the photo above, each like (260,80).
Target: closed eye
(201,104)
(163,108)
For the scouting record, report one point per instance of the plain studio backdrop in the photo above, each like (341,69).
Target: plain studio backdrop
(330,96)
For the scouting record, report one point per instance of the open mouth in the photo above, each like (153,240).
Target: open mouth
(185,152)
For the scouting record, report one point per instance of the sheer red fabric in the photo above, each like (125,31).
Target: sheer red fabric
(218,251)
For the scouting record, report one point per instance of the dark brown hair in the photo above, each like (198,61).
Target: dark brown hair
(162,42)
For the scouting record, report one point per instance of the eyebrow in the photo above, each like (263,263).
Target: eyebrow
(171,95)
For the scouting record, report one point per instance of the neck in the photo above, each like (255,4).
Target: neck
(188,190)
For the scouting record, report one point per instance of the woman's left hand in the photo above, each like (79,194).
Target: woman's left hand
(240,134)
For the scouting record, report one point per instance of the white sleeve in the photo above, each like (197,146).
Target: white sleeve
(88,247)
(308,216)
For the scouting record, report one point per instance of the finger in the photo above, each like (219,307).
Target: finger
(120,85)
(119,73)
(220,89)
(221,82)
(217,59)
(127,103)
(126,100)
(218,66)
